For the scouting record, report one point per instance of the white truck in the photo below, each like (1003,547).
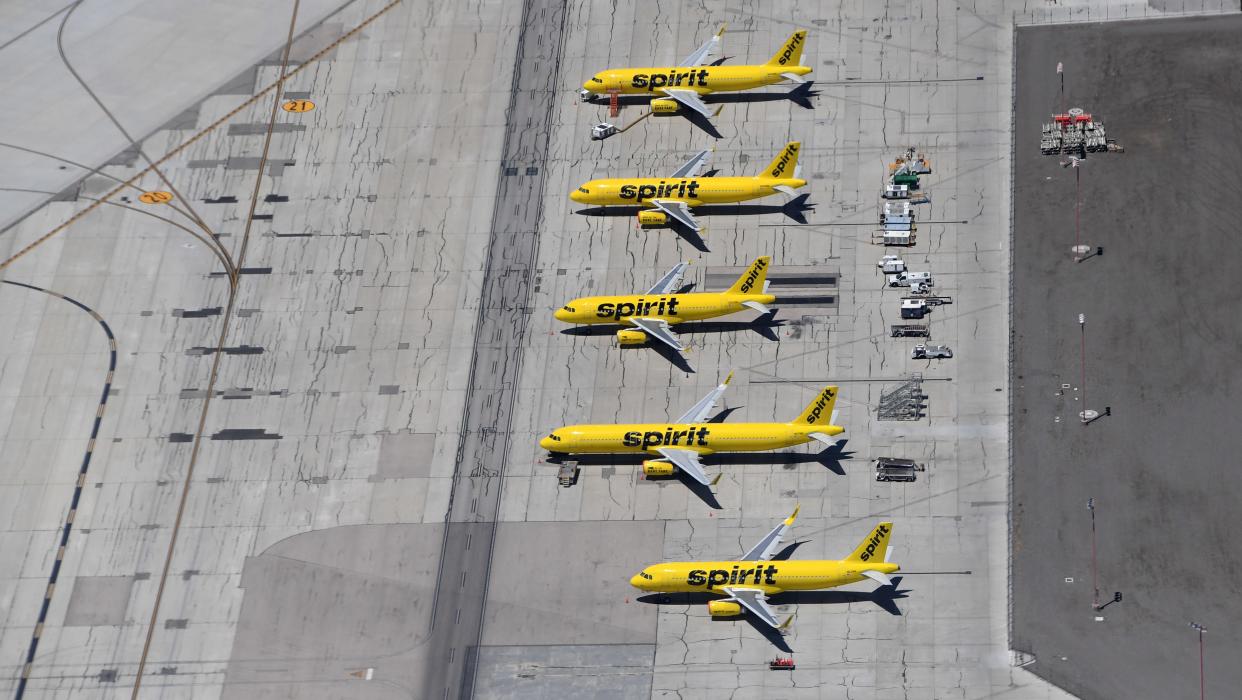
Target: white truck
(910,279)
(924,351)
(891,264)
(602,131)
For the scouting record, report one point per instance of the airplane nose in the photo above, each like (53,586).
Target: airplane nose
(546,444)
(576,196)
(636,581)
(561,315)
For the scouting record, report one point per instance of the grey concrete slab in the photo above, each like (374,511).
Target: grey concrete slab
(536,594)
(614,671)
(322,604)
(1159,349)
(117,48)
(98,600)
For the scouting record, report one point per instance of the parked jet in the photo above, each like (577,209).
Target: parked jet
(653,313)
(747,582)
(661,199)
(685,84)
(680,444)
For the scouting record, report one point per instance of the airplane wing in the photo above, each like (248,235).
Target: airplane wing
(756,602)
(689,98)
(705,405)
(695,165)
(677,210)
(766,547)
(704,52)
(658,329)
(670,280)
(687,461)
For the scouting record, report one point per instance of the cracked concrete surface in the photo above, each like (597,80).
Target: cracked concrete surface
(370,275)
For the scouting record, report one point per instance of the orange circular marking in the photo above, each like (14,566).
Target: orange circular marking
(155,197)
(298,106)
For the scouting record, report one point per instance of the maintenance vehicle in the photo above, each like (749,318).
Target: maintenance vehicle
(602,131)
(908,279)
(910,331)
(891,264)
(568,474)
(924,351)
(893,469)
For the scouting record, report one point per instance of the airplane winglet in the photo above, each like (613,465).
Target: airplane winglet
(785,625)
(728,379)
(790,519)
(717,479)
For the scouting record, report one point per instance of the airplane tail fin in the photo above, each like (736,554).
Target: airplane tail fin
(874,546)
(791,53)
(754,279)
(819,412)
(785,162)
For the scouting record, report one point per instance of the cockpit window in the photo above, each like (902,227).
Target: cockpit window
(597,80)
(645,575)
(554,437)
(584,190)
(570,309)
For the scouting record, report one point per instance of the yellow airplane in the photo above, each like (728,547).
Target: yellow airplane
(685,84)
(653,313)
(681,443)
(660,199)
(747,582)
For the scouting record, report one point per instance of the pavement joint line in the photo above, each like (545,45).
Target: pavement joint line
(216,358)
(62,227)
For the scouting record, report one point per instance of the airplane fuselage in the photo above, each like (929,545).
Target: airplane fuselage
(704,438)
(769,576)
(694,191)
(672,308)
(700,79)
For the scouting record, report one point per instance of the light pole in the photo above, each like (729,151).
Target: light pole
(1086,415)
(1200,629)
(1095,575)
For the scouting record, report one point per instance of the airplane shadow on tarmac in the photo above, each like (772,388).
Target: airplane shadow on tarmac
(885,597)
(794,209)
(830,458)
(800,95)
(764,325)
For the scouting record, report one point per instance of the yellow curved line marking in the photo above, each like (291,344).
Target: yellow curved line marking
(155,197)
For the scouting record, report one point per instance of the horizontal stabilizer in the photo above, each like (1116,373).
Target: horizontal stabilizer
(793,77)
(878,577)
(786,189)
(826,439)
(757,307)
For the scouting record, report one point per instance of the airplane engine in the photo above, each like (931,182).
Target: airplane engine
(658,467)
(625,338)
(665,105)
(648,218)
(723,608)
